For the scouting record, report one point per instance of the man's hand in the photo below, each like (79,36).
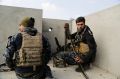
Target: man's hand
(78,59)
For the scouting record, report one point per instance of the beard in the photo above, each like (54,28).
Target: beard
(79,30)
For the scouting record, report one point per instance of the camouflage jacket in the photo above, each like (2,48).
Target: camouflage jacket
(86,36)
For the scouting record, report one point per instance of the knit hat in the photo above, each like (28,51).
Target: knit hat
(28,22)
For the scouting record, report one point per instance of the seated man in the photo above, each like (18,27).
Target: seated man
(31,50)
(83,46)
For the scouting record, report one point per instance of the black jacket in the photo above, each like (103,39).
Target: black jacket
(87,37)
(14,44)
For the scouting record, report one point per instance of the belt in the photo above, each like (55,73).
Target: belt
(32,68)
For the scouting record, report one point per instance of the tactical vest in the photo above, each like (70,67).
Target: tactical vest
(30,53)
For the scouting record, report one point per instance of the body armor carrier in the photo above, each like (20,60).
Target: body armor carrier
(30,53)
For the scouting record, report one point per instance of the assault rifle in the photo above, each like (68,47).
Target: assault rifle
(57,59)
(79,64)
(59,47)
(67,34)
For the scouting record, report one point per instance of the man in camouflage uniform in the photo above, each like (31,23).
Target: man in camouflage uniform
(32,52)
(83,37)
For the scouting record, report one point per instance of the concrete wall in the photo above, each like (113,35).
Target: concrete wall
(58,31)
(106,27)
(10,18)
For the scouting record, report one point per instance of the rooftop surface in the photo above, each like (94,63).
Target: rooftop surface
(68,73)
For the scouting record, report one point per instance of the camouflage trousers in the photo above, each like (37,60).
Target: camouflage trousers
(46,72)
(68,57)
